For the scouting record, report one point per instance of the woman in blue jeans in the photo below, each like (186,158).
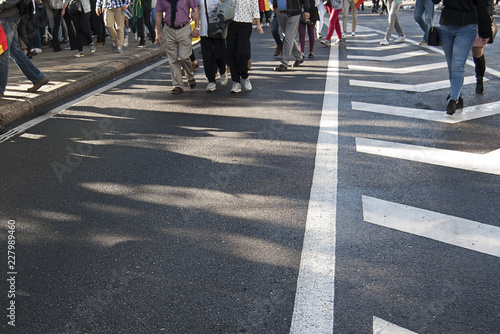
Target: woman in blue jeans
(459,22)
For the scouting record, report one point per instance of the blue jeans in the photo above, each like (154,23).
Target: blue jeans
(275,30)
(9,26)
(457,42)
(424,7)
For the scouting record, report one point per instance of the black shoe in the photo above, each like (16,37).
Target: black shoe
(31,54)
(281,68)
(460,103)
(298,62)
(452,107)
(479,87)
(310,55)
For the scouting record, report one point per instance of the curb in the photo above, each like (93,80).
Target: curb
(28,107)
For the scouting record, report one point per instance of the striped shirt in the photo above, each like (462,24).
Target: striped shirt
(110,4)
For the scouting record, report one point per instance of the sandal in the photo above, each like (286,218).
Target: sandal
(177,90)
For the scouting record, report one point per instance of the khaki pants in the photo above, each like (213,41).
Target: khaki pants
(354,12)
(112,16)
(178,48)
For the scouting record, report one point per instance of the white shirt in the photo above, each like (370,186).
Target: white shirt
(246,11)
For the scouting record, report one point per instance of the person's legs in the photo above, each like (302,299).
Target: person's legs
(109,21)
(147,22)
(336,23)
(479,67)
(310,35)
(429,16)
(345,12)
(119,17)
(302,36)
(392,8)
(171,48)
(185,48)
(354,16)
(331,23)
(14,51)
(140,30)
(243,49)
(78,32)
(457,43)
(85,27)
(207,51)
(231,44)
(220,54)
(55,31)
(418,16)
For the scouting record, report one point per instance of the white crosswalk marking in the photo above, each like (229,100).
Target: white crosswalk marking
(397,56)
(420,88)
(452,230)
(465,114)
(402,70)
(380,326)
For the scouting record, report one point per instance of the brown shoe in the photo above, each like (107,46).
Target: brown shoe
(279,50)
(39,84)
(177,90)
(195,65)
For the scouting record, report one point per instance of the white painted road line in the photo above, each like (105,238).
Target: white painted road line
(25,126)
(420,88)
(380,326)
(462,115)
(397,56)
(377,48)
(476,162)
(432,225)
(314,298)
(401,70)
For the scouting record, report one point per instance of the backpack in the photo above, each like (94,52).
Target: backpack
(337,4)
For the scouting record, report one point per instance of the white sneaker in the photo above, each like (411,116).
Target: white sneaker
(384,42)
(125,41)
(211,87)
(119,49)
(343,35)
(353,34)
(246,84)
(92,48)
(223,79)
(400,39)
(423,43)
(236,87)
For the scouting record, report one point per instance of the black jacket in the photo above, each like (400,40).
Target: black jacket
(293,7)
(464,12)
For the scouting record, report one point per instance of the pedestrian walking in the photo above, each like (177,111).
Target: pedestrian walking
(9,19)
(334,8)
(423,15)
(393,23)
(288,13)
(114,19)
(460,21)
(177,36)
(213,45)
(350,5)
(308,25)
(478,53)
(81,19)
(238,42)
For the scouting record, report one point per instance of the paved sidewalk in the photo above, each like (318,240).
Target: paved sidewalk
(68,75)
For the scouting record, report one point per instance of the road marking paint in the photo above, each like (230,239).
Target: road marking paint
(314,298)
(420,88)
(25,126)
(377,48)
(402,70)
(380,326)
(451,230)
(465,114)
(393,57)
(476,162)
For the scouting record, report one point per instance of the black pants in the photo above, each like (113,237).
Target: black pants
(238,46)
(214,56)
(55,32)
(145,20)
(97,23)
(71,31)
(82,29)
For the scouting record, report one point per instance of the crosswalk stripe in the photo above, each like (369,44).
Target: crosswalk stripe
(380,326)
(377,48)
(451,230)
(462,115)
(401,70)
(393,57)
(483,163)
(420,88)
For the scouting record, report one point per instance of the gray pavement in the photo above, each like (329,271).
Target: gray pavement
(68,75)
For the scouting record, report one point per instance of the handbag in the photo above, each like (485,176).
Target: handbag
(225,13)
(494,30)
(74,7)
(434,39)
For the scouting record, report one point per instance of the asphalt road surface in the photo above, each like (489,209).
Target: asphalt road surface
(336,197)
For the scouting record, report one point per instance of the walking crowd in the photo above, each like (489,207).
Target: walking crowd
(225,27)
